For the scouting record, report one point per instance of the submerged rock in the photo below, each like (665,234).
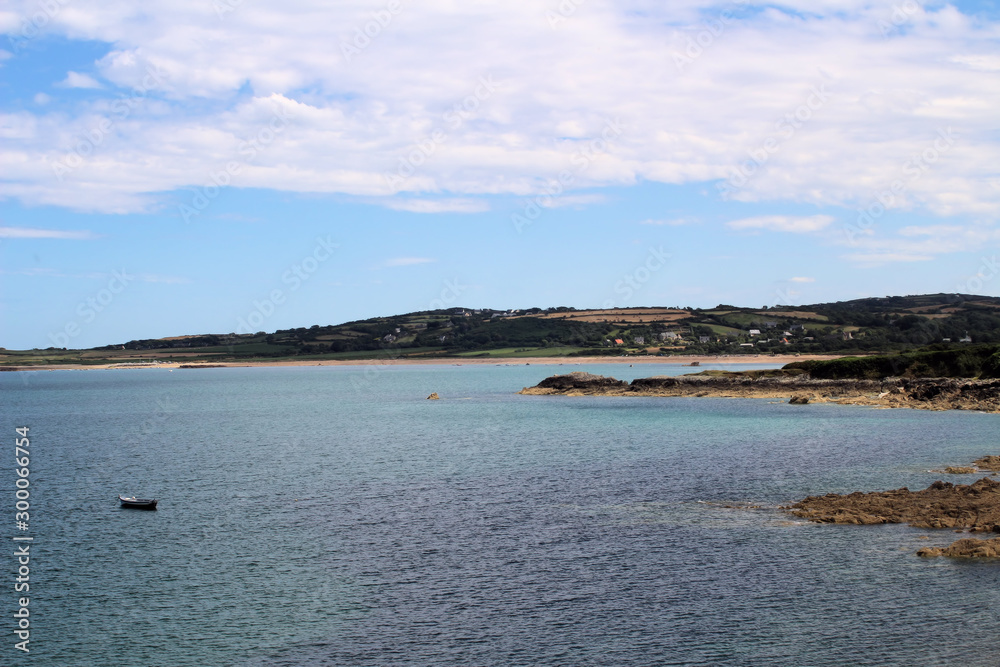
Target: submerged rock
(960,470)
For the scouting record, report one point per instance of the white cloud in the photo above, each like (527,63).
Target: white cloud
(802,279)
(551,96)
(32,233)
(783,223)
(406,261)
(78,80)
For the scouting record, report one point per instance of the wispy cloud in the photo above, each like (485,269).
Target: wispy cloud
(802,279)
(880,258)
(439,205)
(918,244)
(44,272)
(33,233)
(783,223)
(673,222)
(162,279)
(573,200)
(406,261)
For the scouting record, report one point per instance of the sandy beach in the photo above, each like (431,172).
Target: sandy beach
(777,360)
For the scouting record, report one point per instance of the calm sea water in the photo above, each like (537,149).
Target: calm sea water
(333,516)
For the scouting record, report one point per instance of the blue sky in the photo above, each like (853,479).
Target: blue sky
(214,165)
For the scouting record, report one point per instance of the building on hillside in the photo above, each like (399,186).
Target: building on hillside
(669,335)
(966,339)
(704,339)
(755,332)
(640,340)
(619,341)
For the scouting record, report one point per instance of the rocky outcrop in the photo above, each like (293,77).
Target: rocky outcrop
(991,463)
(798,400)
(969,547)
(925,394)
(975,507)
(434,397)
(577,383)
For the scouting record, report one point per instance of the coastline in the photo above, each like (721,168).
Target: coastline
(777,360)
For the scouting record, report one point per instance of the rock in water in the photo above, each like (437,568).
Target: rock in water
(577,382)
(991,463)
(967,548)
(798,400)
(975,507)
(434,397)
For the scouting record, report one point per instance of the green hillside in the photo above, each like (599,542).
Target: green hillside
(863,326)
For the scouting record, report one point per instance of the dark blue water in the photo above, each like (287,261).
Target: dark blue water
(333,516)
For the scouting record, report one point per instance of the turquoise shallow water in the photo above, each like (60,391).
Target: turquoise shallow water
(333,516)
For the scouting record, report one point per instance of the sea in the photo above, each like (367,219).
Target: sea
(335,516)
